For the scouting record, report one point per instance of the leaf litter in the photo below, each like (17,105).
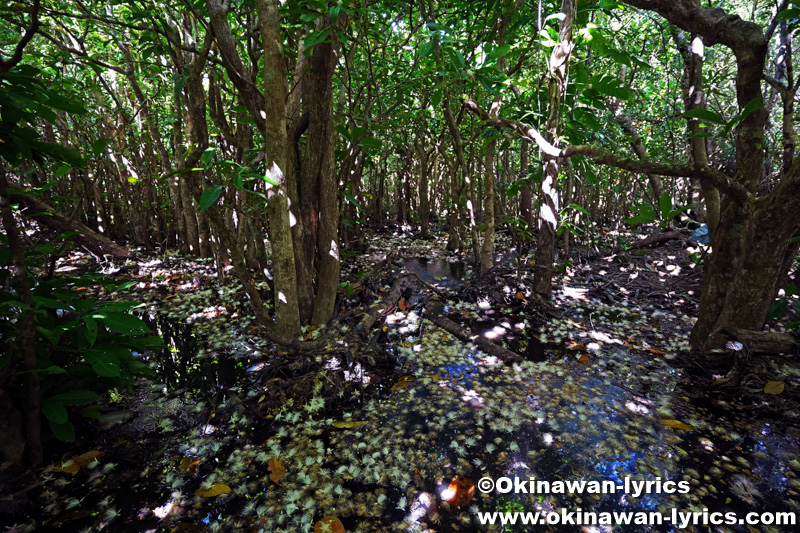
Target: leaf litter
(424,413)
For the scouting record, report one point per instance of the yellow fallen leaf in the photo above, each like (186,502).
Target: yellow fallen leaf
(70,467)
(276,469)
(520,296)
(348,424)
(404,381)
(774,387)
(73,465)
(676,424)
(214,490)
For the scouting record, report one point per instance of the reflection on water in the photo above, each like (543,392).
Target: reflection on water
(438,271)
(189,362)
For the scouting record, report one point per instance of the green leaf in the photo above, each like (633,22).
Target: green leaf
(99,146)
(460,58)
(578,208)
(91,411)
(498,52)
(75,397)
(705,114)
(371,142)
(787,14)
(335,12)
(639,219)
(665,203)
(208,155)
(343,131)
(751,106)
(426,48)
(436,99)
(50,303)
(106,367)
(59,102)
(777,310)
(91,329)
(121,322)
(209,196)
(675,212)
(64,432)
(352,200)
(62,171)
(314,38)
(54,369)
(646,214)
(54,411)
(105,360)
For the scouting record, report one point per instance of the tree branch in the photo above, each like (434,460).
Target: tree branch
(600,155)
(5,66)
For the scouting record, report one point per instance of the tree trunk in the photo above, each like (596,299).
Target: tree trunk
(548,212)
(526,196)
(287,309)
(26,332)
(424,206)
(487,247)
(319,167)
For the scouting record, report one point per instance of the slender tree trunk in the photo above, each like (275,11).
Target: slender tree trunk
(487,247)
(548,212)
(526,196)
(26,332)
(424,206)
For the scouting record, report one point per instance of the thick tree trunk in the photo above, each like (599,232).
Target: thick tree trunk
(276,149)
(319,165)
(749,251)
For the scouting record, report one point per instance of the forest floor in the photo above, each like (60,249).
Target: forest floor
(390,427)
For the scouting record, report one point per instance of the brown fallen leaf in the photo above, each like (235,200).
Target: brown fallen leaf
(584,358)
(189,465)
(276,469)
(214,490)
(460,491)
(404,381)
(329,524)
(402,304)
(774,387)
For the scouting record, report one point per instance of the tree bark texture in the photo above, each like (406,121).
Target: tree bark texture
(25,341)
(548,211)
(276,146)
